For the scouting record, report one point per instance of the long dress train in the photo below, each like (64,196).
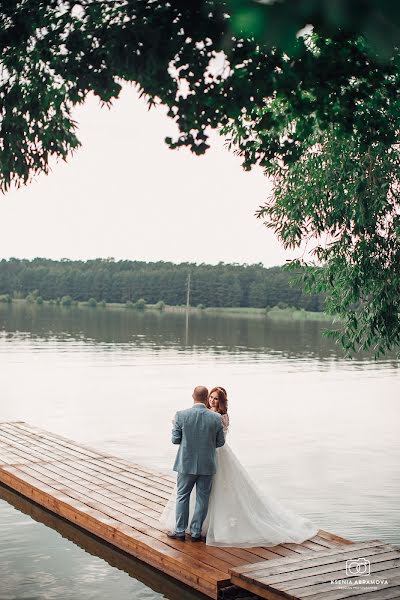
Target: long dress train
(239,514)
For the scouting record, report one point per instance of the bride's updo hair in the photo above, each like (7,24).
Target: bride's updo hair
(222,399)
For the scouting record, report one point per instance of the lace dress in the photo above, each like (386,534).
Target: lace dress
(239,514)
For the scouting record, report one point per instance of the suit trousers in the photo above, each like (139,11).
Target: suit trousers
(185,484)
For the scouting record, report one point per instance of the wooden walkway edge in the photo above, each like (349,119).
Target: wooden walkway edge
(321,575)
(120,502)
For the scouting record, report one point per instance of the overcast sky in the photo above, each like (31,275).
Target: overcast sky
(124,194)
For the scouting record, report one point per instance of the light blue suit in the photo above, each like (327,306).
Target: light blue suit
(198,431)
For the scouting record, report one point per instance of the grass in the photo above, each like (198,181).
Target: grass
(289,313)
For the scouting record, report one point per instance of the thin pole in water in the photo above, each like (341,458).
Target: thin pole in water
(188,292)
(187,310)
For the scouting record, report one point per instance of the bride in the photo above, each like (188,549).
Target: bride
(239,514)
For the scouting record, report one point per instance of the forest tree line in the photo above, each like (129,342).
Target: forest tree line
(221,285)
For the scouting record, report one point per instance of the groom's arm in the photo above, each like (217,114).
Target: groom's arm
(176,431)
(220,436)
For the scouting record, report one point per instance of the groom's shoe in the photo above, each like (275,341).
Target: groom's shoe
(176,536)
(197,538)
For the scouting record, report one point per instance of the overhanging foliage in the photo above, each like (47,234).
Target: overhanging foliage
(319,114)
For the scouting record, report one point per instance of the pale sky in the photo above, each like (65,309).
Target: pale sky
(125,194)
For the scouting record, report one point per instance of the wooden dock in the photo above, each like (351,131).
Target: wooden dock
(120,502)
(152,578)
(309,577)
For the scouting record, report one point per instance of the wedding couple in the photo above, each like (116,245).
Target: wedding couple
(228,508)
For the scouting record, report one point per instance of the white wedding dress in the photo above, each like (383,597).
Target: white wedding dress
(239,514)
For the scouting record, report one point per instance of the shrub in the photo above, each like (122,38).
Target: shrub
(39,300)
(6,298)
(201,306)
(102,303)
(52,301)
(31,297)
(66,301)
(92,302)
(128,304)
(58,301)
(160,305)
(140,304)
(282,305)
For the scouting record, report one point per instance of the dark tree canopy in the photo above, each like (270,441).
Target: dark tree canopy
(320,113)
(54,52)
(221,285)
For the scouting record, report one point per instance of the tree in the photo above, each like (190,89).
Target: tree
(66,301)
(212,285)
(257,294)
(342,195)
(236,65)
(140,304)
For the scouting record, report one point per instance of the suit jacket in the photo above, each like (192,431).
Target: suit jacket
(198,431)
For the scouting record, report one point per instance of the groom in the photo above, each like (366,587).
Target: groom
(198,431)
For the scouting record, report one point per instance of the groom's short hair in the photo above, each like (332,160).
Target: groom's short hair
(200,394)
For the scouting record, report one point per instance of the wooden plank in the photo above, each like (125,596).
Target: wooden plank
(392,593)
(52,472)
(317,557)
(272,552)
(59,440)
(323,542)
(311,575)
(249,555)
(53,447)
(26,450)
(143,522)
(381,593)
(120,478)
(164,489)
(325,592)
(150,474)
(37,431)
(332,537)
(296,548)
(158,554)
(309,567)
(93,482)
(304,589)
(320,560)
(9,452)
(145,493)
(312,545)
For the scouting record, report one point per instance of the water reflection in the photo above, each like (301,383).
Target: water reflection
(157,330)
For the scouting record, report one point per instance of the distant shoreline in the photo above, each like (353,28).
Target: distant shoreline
(289,313)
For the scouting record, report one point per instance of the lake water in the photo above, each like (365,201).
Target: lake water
(317,431)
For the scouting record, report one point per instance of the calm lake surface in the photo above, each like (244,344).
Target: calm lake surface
(317,431)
